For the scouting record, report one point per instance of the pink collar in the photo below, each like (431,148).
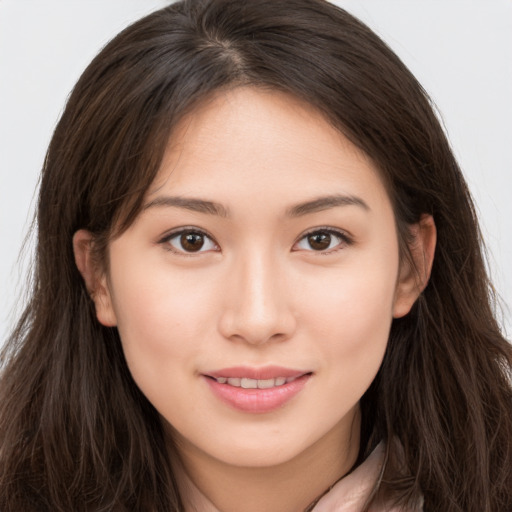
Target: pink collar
(351,492)
(347,495)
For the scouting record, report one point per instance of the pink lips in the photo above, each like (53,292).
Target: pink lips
(257,400)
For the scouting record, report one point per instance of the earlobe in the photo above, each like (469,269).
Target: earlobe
(95,280)
(414,275)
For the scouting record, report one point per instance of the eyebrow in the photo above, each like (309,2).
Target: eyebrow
(212,208)
(324,203)
(189,203)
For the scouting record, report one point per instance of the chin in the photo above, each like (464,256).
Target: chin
(261,456)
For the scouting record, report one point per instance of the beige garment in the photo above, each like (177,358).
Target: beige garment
(352,491)
(347,495)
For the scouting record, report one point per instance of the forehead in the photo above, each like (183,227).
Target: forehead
(262,145)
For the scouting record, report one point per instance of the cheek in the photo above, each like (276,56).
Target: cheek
(350,317)
(161,320)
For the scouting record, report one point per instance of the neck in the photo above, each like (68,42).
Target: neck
(209,485)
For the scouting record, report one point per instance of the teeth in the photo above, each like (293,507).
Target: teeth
(246,383)
(268,383)
(249,383)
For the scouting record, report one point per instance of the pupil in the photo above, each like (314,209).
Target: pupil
(319,241)
(192,242)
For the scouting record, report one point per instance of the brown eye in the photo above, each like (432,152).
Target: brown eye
(190,242)
(323,240)
(319,241)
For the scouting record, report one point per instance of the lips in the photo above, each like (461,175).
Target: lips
(263,373)
(247,383)
(257,390)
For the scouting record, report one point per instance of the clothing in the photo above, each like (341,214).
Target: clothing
(347,495)
(351,492)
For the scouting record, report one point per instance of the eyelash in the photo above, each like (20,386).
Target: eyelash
(166,240)
(345,240)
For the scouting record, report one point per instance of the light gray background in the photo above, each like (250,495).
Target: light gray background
(460,50)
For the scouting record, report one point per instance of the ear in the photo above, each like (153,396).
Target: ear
(414,275)
(95,280)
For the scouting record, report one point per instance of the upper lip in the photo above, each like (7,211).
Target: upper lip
(261,373)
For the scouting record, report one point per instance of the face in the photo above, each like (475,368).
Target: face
(254,293)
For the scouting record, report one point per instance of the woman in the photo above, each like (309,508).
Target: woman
(258,283)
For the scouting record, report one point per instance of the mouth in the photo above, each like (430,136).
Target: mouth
(257,390)
(247,383)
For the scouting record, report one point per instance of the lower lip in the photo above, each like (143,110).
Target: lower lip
(257,400)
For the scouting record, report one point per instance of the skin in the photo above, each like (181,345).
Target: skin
(259,293)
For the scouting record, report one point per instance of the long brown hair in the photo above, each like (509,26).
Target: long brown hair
(75,431)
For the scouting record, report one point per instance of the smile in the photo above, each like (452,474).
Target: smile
(257,390)
(247,383)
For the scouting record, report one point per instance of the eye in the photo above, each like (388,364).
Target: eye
(323,240)
(190,241)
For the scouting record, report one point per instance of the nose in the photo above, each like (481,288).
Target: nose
(257,306)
